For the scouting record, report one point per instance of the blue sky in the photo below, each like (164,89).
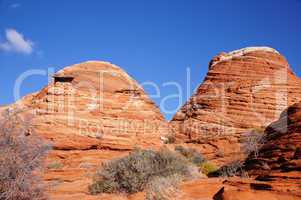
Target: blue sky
(153,40)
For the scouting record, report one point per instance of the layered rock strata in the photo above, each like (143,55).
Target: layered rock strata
(244,90)
(93,105)
(90,113)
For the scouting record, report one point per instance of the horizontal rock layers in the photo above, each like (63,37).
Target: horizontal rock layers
(91,112)
(243,90)
(94,105)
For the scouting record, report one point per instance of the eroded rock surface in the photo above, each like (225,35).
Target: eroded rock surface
(94,105)
(92,112)
(244,90)
(282,149)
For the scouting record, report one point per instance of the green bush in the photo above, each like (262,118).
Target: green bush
(208,168)
(132,173)
(55,165)
(191,154)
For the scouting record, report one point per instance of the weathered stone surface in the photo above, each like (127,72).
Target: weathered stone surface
(211,189)
(92,112)
(243,90)
(236,188)
(94,105)
(281,151)
(69,173)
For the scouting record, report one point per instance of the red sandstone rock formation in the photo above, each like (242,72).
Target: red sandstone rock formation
(282,150)
(91,112)
(243,90)
(277,168)
(94,105)
(86,113)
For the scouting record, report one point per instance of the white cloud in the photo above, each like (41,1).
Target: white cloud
(15,42)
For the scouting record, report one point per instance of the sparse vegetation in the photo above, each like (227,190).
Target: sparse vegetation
(135,172)
(191,154)
(208,167)
(253,141)
(21,154)
(234,168)
(170,139)
(55,165)
(163,188)
(85,165)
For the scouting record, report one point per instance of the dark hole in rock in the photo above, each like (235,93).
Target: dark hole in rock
(264,178)
(260,186)
(129,91)
(63,79)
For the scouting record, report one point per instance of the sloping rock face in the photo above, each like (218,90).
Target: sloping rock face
(94,105)
(92,112)
(282,149)
(237,188)
(243,90)
(278,163)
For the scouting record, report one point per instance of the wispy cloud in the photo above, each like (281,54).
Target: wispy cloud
(15,5)
(15,42)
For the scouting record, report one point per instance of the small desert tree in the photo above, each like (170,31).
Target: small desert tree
(21,155)
(252,142)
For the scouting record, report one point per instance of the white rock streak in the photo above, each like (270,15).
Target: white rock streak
(241,52)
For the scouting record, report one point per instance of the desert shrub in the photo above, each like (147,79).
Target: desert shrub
(85,165)
(132,173)
(55,165)
(170,139)
(252,141)
(191,154)
(163,188)
(232,169)
(21,155)
(259,130)
(208,167)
